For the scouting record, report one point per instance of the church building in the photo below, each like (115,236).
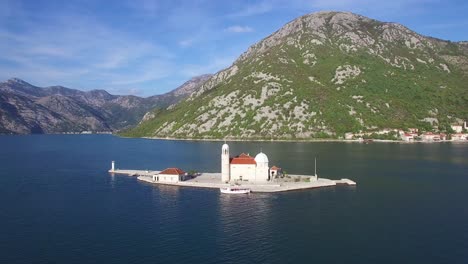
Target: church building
(243,167)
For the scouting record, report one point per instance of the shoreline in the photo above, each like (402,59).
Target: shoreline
(259,140)
(296,140)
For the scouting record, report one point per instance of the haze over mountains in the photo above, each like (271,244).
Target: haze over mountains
(323,75)
(25,108)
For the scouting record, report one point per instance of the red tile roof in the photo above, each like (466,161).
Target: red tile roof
(243,159)
(275,168)
(172,171)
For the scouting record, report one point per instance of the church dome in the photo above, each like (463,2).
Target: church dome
(261,158)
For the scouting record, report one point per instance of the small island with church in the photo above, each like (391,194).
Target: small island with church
(242,171)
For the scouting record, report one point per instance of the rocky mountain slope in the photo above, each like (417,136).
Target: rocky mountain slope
(323,75)
(25,108)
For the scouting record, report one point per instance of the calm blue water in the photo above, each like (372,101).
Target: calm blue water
(59,205)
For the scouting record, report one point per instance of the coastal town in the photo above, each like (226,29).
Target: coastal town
(241,171)
(459,133)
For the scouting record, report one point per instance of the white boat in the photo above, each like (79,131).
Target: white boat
(234,190)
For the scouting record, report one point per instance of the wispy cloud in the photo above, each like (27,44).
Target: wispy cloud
(239,29)
(186,43)
(308,6)
(213,66)
(83,51)
(460,24)
(147,8)
(366,7)
(253,9)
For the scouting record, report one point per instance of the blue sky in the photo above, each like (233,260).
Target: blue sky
(150,47)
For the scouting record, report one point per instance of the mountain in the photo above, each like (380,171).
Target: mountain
(322,75)
(177,94)
(25,108)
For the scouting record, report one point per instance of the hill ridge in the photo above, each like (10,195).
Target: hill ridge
(25,108)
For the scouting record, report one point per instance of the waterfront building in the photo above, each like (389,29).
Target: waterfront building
(457,128)
(275,172)
(429,136)
(170,175)
(407,137)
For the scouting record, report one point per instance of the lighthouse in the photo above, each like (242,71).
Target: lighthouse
(225,163)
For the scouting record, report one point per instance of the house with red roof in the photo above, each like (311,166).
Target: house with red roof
(407,137)
(275,172)
(170,175)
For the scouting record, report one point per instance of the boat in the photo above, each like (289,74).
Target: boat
(234,190)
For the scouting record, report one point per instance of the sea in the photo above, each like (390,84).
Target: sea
(59,204)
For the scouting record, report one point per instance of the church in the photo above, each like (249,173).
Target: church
(244,167)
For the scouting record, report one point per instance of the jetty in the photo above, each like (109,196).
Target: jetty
(345,181)
(134,173)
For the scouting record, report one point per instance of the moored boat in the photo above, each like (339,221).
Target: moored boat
(234,190)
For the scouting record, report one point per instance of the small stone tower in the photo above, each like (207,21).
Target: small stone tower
(225,172)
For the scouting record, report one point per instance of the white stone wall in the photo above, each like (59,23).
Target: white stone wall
(457,128)
(262,171)
(247,171)
(167,178)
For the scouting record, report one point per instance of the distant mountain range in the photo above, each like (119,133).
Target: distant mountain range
(322,75)
(25,108)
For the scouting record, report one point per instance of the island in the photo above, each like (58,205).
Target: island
(242,170)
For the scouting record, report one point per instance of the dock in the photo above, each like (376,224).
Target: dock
(134,173)
(213,180)
(345,181)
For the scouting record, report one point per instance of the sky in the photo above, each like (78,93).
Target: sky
(150,47)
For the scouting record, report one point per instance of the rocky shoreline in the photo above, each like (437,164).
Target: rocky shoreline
(300,140)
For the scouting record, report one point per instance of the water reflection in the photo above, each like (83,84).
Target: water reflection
(112,180)
(166,195)
(245,223)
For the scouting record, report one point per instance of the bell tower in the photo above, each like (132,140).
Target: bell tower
(225,170)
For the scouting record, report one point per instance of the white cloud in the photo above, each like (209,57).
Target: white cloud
(239,29)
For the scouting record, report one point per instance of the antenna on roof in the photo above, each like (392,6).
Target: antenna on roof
(315,168)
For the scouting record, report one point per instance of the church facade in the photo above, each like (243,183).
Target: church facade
(243,167)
